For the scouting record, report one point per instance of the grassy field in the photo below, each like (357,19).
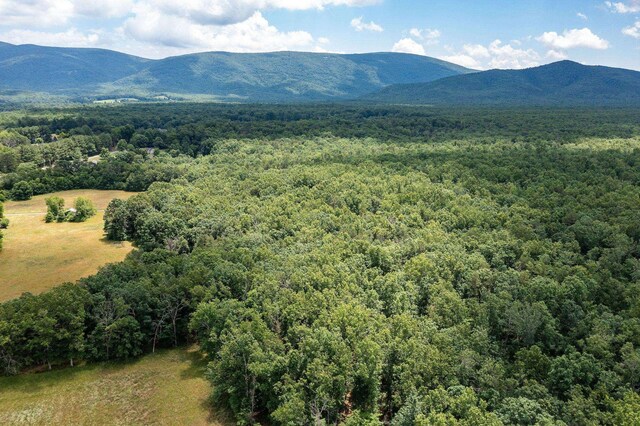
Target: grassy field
(37,255)
(165,388)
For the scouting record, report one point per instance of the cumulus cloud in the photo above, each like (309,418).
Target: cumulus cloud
(408,45)
(102,8)
(571,39)
(428,36)
(157,28)
(70,38)
(556,55)
(219,12)
(476,51)
(42,13)
(462,60)
(495,55)
(507,56)
(161,26)
(226,12)
(631,6)
(252,35)
(360,25)
(633,30)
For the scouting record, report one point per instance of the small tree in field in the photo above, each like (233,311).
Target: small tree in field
(84,209)
(55,210)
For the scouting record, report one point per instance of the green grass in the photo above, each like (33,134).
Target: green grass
(37,256)
(165,388)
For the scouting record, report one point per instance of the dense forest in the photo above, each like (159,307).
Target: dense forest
(348,264)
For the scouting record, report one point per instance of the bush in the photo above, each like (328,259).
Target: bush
(84,209)
(55,210)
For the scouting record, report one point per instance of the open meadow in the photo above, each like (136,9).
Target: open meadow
(37,255)
(165,388)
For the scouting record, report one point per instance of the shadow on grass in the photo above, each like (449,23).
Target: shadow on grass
(217,413)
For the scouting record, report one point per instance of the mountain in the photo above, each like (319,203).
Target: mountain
(562,83)
(51,69)
(251,77)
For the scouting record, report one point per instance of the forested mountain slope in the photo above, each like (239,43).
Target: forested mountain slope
(85,74)
(563,83)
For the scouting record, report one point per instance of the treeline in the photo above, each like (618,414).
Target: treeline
(186,127)
(329,280)
(105,317)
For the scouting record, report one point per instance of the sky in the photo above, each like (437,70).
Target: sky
(479,34)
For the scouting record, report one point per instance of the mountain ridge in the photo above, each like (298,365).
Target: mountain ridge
(269,77)
(563,83)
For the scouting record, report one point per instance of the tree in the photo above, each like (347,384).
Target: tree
(116,218)
(84,209)
(523,411)
(55,210)
(627,410)
(22,191)
(9,161)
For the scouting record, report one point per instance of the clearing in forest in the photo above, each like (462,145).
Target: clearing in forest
(37,255)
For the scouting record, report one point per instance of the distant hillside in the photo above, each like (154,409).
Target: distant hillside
(255,77)
(562,83)
(53,69)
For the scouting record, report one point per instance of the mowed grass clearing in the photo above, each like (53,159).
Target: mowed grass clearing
(165,388)
(37,256)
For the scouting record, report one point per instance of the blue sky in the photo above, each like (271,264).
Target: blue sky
(475,33)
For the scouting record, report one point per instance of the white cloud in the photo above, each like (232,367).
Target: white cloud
(32,13)
(407,45)
(252,35)
(495,55)
(359,25)
(556,55)
(157,28)
(102,8)
(582,16)
(633,30)
(226,12)
(160,28)
(51,13)
(463,60)
(70,38)
(573,38)
(428,35)
(507,56)
(476,51)
(631,6)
